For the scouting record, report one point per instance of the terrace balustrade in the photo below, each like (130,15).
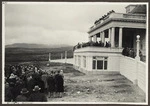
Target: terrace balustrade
(96,44)
(114,15)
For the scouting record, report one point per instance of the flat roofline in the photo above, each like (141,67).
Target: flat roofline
(117,19)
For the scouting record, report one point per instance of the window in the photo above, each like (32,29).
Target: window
(100,63)
(79,60)
(105,65)
(94,64)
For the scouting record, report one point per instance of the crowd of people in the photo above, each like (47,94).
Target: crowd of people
(97,44)
(103,17)
(130,52)
(29,83)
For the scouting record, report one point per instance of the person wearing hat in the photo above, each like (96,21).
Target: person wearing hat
(23,95)
(12,78)
(62,73)
(8,93)
(44,79)
(59,83)
(37,96)
(51,84)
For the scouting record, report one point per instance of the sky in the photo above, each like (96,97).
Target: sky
(53,23)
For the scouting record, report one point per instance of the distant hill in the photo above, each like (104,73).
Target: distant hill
(26,45)
(24,54)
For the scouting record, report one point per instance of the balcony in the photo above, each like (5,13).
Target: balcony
(92,44)
(128,16)
(96,47)
(129,52)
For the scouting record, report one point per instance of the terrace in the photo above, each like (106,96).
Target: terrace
(99,47)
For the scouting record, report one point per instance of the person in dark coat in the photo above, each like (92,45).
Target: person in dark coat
(30,84)
(125,51)
(23,97)
(12,90)
(17,88)
(44,78)
(40,83)
(8,93)
(37,96)
(106,45)
(59,84)
(51,84)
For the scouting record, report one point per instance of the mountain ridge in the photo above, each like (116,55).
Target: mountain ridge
(33,45)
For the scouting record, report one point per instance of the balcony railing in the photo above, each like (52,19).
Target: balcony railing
(118,16)
(134,16)
(95,44)
(101,47)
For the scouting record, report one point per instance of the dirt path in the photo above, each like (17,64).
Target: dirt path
(96,88)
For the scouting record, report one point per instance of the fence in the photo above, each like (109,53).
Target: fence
(134,70)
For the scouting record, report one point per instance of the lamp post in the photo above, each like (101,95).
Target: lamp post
(137,47)
(137,57)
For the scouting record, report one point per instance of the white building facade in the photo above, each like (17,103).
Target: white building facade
(117,29)
(107,39)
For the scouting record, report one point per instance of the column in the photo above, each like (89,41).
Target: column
(113,37)
(95,38)
(109,34)
(120,37)
(138,47)
(90,39)
(103,38)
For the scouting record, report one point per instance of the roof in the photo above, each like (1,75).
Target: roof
(139,9)
(130,5)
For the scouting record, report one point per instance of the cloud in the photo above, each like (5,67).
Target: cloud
(56,23)
(41,35)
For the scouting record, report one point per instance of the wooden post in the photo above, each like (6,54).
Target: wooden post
(49,57)
(61,56)
(65,56)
